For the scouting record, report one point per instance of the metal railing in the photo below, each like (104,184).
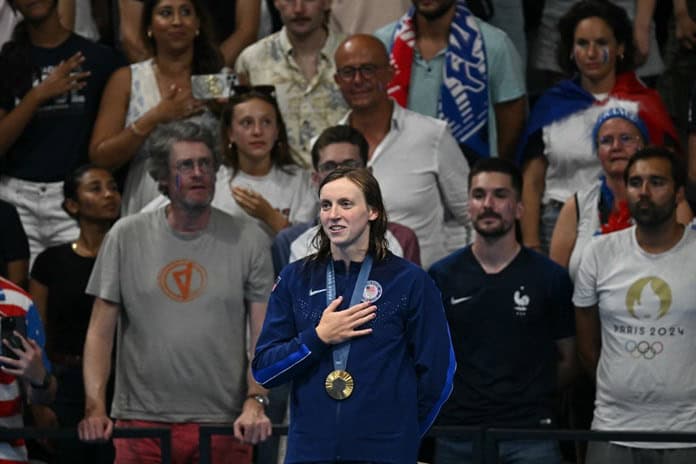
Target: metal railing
(485,441)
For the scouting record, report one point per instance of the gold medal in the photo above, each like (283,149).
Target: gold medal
(339,384)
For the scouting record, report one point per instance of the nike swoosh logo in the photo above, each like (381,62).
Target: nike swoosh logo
(314,292)
(454,301)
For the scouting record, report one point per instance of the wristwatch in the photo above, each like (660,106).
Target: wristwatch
(261,399)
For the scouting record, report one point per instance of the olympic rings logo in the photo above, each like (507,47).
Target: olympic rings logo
(644,349)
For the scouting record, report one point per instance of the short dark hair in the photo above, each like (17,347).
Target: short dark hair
(498,165)
(369,186)
(678,169)
(72,183)
(617,19)
(340,134)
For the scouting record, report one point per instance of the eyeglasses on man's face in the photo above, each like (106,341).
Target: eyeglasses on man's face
(367,71)
(188,166)
(330,166)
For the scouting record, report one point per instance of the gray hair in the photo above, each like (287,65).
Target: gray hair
(159,146)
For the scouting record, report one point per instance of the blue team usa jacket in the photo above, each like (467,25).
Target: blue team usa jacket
(403,370)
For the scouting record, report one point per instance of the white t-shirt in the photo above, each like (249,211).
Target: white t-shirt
(288,190)
(646,377)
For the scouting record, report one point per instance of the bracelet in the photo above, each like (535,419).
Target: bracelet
(44,384)
(137,131)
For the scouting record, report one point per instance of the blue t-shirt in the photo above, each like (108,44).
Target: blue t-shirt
(56,139)
(504,329)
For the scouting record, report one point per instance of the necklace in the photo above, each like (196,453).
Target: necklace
(81,250)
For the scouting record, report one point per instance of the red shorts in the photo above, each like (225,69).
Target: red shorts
(225,448)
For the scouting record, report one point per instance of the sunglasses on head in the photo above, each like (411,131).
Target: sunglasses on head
(268,90)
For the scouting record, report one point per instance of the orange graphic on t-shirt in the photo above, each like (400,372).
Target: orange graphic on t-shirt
(182,280)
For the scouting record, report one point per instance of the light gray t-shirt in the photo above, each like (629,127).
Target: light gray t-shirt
(181,346)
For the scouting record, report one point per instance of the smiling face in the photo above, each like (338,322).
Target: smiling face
(595,49)
(345,217)
(191,180)
(97,197)
(365,86)
(493,204)
(253,129)
(617,141)
(34,10)
(174,23)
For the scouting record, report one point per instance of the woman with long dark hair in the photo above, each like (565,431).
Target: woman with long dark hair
(144,95)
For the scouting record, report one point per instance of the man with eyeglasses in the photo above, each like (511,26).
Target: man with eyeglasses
(417,162)
(298,61)
(337,146)
(453,66)
(635,312)
(179,282)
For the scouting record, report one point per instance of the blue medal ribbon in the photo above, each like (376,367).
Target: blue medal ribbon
(341,351)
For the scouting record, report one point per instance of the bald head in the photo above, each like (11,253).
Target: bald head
(363,72)
(362,44)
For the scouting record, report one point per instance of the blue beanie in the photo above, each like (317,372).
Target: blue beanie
(620,112)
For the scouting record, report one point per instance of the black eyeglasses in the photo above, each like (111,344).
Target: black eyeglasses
(330,166)
(268,90)
(367,71)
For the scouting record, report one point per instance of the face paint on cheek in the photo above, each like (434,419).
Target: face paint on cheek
(605,55)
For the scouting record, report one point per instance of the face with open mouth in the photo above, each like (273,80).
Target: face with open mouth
(345,215)
(191,182)
(253,129)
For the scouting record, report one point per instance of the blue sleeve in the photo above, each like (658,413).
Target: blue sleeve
(280,249)
(282,352)
(35,331)
(429,340)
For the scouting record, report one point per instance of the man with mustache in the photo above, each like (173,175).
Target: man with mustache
(510,316)
(298,61)
(635,314)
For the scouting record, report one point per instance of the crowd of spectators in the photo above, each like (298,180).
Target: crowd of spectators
(96,99)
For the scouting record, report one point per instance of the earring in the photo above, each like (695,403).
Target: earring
(198,32)
(149,33)
(229,145)
(621,56)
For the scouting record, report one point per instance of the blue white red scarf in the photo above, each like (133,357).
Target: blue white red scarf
(463,99)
